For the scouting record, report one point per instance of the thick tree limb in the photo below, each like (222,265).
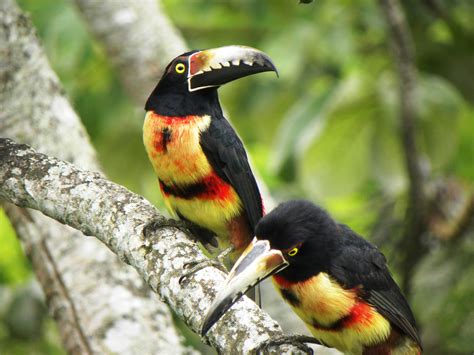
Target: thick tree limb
(62,307)
(112,314)
(78,275)
(403,53)
(138,37)
(133,229)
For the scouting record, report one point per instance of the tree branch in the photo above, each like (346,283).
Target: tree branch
(133,229)
(403,54)
(138,37)
(100,306)
(30,226)
(77,275)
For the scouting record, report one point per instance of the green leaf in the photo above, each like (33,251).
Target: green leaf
(334,153)
(439,108)
(13,265)
(294,124)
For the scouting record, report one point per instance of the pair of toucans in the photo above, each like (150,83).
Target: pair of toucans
(335,281)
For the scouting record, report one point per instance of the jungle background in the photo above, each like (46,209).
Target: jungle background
(326,130)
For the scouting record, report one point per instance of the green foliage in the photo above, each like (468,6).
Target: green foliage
(327,129)
(444,290)
(14,267)
(48,344)
(23,329)
(81,65)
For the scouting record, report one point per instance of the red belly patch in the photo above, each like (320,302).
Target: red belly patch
(360,313)
(212,187)
(215,188)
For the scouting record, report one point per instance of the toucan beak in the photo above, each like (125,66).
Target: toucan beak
(217,66)
(256,263)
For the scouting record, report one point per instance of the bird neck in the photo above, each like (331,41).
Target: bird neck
(178,101)
(300,272)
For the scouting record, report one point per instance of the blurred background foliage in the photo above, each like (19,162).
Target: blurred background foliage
(326,130)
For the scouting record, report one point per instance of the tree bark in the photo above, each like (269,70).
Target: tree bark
(133,229)
(78,275)
(138,38)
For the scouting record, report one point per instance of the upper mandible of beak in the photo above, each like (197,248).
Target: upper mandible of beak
(256,263)
(217,66)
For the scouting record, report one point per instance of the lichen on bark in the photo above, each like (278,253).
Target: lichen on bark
(121,220)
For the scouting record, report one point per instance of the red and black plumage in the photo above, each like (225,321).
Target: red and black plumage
(228,158)
(362,266)
(337,282)
(201,163)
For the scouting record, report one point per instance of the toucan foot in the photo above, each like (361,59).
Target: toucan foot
(154,225)
(197,234)
(295,340)
(218,262)
(200,234)
(199,265)
(221,257)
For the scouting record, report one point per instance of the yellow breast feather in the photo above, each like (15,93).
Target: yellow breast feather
(173,147)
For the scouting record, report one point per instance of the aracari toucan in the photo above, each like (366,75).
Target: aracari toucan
(201,163)
(335,281)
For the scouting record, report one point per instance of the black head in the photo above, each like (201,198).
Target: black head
(175,75)
(296,240)
(304,233)
(189,83)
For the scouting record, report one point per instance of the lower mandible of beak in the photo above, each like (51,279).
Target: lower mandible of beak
(256,263)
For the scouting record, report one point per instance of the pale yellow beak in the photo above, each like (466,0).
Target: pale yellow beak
(218,66)
(257,262)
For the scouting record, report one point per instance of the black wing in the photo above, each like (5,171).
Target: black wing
(362,264)
(226,154)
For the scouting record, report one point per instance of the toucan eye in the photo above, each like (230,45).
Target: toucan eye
(180,68)
(293,251)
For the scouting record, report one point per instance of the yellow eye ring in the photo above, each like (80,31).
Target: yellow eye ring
(293,252)
(180,68)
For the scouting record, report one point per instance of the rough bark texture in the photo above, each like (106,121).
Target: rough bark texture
(110,310)
(138,37)
(78,275)
(404,56)
(133,229)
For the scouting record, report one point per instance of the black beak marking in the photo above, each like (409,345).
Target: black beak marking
(212,318)
(230,72)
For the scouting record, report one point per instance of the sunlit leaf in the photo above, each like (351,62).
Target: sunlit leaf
(13,265)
